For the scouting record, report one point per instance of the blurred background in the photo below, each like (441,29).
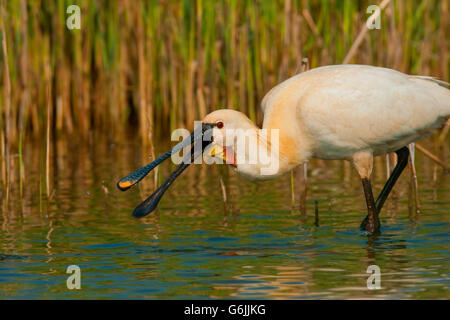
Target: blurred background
(157,65)
(79,109)
(148,67)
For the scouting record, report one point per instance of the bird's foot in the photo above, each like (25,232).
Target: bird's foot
(371,226)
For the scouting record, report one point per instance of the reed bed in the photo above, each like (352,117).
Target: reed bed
(152,66)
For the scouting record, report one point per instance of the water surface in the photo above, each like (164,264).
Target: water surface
(257,246)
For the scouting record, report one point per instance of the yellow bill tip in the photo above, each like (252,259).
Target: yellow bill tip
(124,184)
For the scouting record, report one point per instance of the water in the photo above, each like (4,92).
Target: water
(193,247)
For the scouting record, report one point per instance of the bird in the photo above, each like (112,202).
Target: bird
(337,112)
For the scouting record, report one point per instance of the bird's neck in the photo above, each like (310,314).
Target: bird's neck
(275,152)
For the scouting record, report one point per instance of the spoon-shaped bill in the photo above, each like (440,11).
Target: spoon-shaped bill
(150,204)
(133,178)
(152,201)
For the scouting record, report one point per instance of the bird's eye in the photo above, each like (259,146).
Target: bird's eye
(219,124)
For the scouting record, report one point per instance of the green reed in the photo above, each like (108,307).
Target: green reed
(152,66)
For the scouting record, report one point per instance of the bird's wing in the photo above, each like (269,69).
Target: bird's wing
(357,107)
(432,79)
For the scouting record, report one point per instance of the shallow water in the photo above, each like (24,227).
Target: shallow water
(195,247)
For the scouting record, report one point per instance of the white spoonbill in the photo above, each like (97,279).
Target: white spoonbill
(349,112)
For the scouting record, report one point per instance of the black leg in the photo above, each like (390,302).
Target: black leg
(372,223)
(402,161)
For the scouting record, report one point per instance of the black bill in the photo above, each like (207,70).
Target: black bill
(200,139)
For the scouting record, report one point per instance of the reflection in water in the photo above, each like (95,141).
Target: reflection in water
(253,245)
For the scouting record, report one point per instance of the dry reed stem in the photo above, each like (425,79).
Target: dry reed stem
(388,166)
(431,156)
(304,166)
(303,187)
(7,101)
(363,32)
(292,189)
(303,173)
(3,156)
(48,135)
(224,190)
(414,182)
(444,132)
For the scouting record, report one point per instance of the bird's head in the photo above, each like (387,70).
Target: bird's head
(228,125)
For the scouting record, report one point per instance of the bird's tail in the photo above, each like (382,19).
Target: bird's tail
(439,90)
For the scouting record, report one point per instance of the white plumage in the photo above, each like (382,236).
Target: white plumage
(350,112)
(344,109)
